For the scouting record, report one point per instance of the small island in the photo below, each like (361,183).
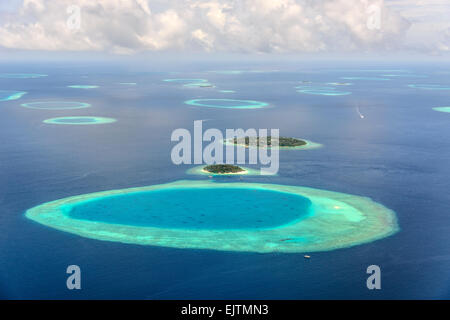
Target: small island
(282,141)
(223,169)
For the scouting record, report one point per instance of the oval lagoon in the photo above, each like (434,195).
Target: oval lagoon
(81,120)
(248,217)
(56,105)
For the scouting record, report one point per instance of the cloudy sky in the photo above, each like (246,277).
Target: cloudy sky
(232,26)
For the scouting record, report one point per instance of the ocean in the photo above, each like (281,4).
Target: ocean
(382,141)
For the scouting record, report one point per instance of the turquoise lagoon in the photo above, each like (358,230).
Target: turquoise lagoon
(247,217)
(56,105)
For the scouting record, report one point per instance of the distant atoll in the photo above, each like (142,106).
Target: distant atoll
(442,109)
(283,142)
(223,169)
(227,103)
(6,95)
(56,105)
(79,120)
(82,86)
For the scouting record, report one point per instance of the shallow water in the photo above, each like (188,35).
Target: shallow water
(397,154)
(197,209)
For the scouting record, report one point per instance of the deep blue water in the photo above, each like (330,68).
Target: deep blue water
(216,208)
(383,141)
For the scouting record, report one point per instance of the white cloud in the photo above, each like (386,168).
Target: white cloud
(126,26)
(430,23)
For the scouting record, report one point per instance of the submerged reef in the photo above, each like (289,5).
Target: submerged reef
(200,170)
(196,83)
(246,217)
(223,169)
(22,75)
(442,109)
(6,95)
(282,142)
(366,78)
(323,90)
(79,120)
(82,86)
(227,103)
(56,105)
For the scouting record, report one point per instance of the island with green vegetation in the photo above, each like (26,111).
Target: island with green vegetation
(282,141)
(223,169)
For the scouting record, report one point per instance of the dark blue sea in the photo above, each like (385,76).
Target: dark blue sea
(383,141)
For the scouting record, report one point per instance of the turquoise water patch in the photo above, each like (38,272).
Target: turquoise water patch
(83,120)
(82,86)
(56,105)
(325,92)
(6,95)
(227,103)
(321,90)
(196,209)
(366,78)
(442,109)
(429,86)
(22,75)
(404,76)
(186,80)
(227,91)
(200,84)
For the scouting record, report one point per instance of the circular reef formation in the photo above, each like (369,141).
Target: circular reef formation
(442,109)
(283,143)
(79,120)
(245,217)
(429,86)
(223,170)
(6,95)
(82,86)
(227,103)
(56,105)
(321,90)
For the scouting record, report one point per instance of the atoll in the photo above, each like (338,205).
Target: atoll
(442,109)
(227,103)
(204,214)
(6,95)
(22,75)
(283,143)
(79,120)
(429,86)
(223,169)
(82,86)
(56,105)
